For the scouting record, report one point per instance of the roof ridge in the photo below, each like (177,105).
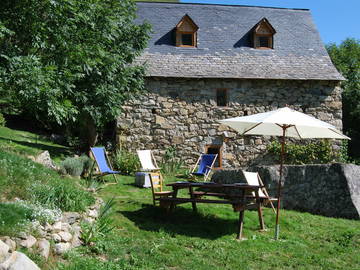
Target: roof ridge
(224,5)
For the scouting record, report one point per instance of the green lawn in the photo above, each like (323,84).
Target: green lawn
(30,144)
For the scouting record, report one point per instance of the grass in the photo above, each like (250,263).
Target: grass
(146,237)
(30,144)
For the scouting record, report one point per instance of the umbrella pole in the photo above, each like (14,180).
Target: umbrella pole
(277,226)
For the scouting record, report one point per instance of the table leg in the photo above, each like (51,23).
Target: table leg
(192,197)
(241,217)
(259,209)
(240,225)
(172,205)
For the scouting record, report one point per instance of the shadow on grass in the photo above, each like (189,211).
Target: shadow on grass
(181,221)
(55,151)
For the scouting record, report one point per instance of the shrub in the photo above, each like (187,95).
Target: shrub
(87,164)
(63,194)
(170,164)
(126,162)
(72,166)
(312,153)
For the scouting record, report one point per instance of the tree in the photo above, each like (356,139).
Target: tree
(346,58)
(69,61)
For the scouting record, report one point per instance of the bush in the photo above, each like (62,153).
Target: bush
(312,153)
(63,194)
(126,162)
(76,166)
(72,166)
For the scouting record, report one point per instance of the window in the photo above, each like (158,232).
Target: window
(186,32)
(263,35)
(221,97)
(215,149)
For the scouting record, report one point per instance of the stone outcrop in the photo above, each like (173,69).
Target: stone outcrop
(183,113)
(328,189)
(45,159)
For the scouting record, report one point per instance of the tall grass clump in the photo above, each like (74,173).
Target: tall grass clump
(63,194)
(170,163)
(13,218)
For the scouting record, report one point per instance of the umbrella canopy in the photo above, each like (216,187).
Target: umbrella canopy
(283,122)
(271,123)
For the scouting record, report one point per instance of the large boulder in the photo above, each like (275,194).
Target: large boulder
(18,261)
(327,189)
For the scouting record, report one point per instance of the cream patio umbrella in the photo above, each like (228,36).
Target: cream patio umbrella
(283,122)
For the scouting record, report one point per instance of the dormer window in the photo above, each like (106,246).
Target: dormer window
(263,35)
(186,32)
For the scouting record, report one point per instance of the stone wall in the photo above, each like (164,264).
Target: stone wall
(328,189)
(183,113)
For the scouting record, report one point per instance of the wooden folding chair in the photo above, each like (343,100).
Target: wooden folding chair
(156,181)
(253,178)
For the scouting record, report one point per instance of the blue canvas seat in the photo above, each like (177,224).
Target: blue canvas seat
(205,163)
(102,162)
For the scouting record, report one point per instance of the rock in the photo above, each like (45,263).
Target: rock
(65,236)
(56,237)
(4,250)
(45,159)
(76,242)
(18,261)
(92,213)
(48,227)
(11,243)
(70,217)
(61,248)
(44,248)
(88,220)
(57,226)
(28,242)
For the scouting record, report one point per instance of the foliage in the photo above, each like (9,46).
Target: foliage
(126,162)
(76,166)
(13,218)
(346,58)
(313,153)
(92,233)
(63,194)
(2,120)
(72,166)
(16,216)
(170,164)
(68,61)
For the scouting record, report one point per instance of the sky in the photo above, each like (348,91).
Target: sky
(336,20)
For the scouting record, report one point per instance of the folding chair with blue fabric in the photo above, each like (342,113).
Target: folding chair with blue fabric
(205,164)
(102,162)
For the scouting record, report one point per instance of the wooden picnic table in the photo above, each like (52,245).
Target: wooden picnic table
(239,200)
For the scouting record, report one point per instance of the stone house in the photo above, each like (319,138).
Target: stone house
(209,62)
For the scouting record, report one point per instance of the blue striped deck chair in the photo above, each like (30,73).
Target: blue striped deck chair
(102,162)
(205,164)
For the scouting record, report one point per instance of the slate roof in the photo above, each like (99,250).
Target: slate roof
(224,44)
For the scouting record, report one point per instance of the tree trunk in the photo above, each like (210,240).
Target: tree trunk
(91,135)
